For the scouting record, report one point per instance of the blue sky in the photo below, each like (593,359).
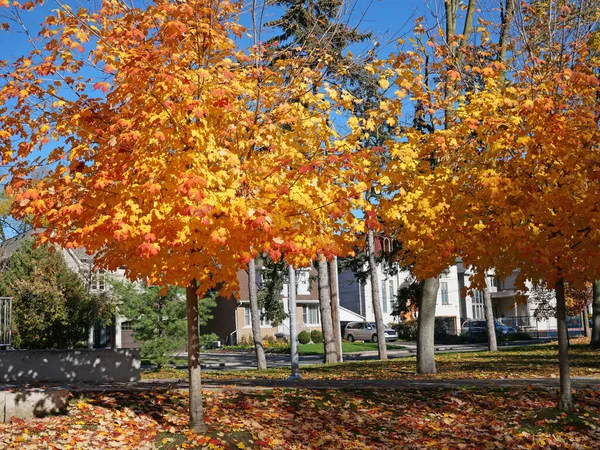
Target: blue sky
(384,18)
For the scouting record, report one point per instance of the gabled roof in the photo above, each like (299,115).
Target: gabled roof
(9,246)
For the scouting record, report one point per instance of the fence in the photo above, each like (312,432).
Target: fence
(5,322)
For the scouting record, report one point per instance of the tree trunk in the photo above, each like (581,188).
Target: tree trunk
(381,345)
(566,401)
(261,361)
(596,315)
(489,317)
(335,317)
(587,332)
(426,326)
(196,410)
(325,308)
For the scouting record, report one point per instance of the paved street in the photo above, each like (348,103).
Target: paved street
(219,360)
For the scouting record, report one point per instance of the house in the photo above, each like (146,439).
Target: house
(510,306)
(456,301)
(357,296)
(231,318)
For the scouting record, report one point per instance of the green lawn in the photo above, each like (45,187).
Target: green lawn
(347,347)
(310,349)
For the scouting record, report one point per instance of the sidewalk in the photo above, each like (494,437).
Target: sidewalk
(246,384)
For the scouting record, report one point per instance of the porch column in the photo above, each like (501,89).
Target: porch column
(90,340)
(118,319)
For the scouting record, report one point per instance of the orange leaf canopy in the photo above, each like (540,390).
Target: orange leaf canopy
(174,154)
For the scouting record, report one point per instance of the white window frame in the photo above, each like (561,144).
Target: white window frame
(248,318)
(306,316)
(444,293)
(477,305)
(303,281)
(98,280)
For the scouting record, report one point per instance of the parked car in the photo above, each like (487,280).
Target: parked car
(367,331)
(479,326)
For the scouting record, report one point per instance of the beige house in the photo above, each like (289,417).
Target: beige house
(232,321)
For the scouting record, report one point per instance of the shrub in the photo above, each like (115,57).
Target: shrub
(206,340)
(407,330)
(450,339)
(316,336)
(518,336)
(444,332)
(304,337)
(270,340)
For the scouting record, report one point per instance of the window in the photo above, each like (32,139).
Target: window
(303,281)
(383,297)
(98,281)
(310,315)
(391,293)
(248,318)
(444,292)
(125,326)
(477,302)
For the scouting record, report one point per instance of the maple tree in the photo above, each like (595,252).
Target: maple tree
(172,152)
(487,183)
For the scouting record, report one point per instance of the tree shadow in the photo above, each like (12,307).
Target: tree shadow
(70,366)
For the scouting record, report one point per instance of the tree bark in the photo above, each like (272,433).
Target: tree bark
(566,401)
(587,332)
(295,358)
(468,25)
(261,360)
(335,317)
(489,317)
(330,353)
(596,315)
(426,326)
(380,329)
(196,410)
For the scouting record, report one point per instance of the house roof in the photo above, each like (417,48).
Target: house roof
(9,246)
(82,255)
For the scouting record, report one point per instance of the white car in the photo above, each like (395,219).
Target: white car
(367,331)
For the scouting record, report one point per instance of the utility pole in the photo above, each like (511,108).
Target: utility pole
(295,375)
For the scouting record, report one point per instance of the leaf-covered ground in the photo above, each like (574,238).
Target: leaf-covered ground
(332,419)
(539,361)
